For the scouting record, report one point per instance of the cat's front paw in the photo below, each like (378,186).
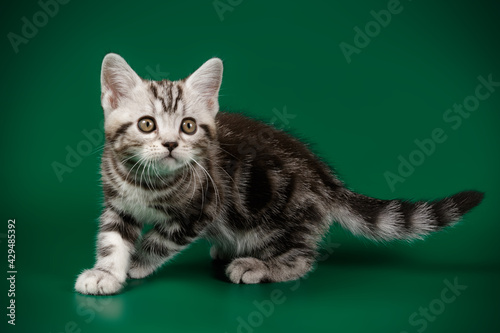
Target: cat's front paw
(246,270)
(137,271)
(97,282)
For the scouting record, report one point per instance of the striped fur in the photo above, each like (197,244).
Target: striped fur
(257,194)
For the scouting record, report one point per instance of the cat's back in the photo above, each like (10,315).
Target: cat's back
(243,136)
(265,148)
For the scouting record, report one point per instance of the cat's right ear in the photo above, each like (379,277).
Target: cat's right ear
(118,79)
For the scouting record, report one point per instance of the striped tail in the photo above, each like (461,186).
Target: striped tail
(401,219)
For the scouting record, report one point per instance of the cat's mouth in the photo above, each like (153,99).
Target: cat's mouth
(169,163)
(170,158)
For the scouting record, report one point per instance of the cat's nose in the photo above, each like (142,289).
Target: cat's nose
(171,145)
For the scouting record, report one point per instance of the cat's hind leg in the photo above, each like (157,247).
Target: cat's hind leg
(288,266)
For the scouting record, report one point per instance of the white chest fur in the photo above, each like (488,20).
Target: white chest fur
(138,203)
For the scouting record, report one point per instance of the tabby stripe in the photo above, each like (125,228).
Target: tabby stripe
(179,237)
(407,209)
(207,130)
(163,104)
(289,189)
(122,129)
(170,98)
(126,226)
(165,209)
(105,250)
(368,209)
(127,218)
(179,96)
(439,209)
(110,177)
(158,247)
(154,90)
(108,190)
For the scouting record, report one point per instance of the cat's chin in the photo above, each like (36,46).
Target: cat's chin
(169,165)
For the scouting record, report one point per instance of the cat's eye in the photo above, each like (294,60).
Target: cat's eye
(188,126)
(146,124)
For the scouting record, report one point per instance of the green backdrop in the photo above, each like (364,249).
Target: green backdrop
(370,84)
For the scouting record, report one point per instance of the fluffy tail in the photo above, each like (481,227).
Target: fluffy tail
(401,219)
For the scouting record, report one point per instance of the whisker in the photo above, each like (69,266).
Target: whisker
(142,173)
(126,177)
(228,152)
(217,197)
(202,192)
(98,149)
(135,173)
(125,160)
(191,177)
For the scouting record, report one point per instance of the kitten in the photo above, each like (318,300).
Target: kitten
(257,194)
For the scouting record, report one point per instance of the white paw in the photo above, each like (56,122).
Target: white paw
(246,270)
(138,272)
(97,282)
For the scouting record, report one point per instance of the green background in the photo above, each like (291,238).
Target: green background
(359,116)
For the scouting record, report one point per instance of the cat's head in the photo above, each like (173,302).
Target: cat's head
(165,124)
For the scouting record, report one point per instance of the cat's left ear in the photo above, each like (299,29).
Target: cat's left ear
(205,83)
(118,80)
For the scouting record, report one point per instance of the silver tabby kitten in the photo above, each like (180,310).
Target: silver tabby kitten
(258,195)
